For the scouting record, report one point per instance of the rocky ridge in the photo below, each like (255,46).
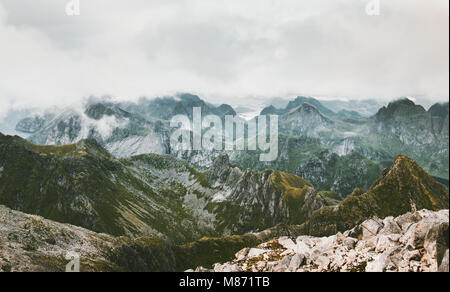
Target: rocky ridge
(30,243)
(82,184)
(413,242)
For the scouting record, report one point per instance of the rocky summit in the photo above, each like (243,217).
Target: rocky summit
(413,242)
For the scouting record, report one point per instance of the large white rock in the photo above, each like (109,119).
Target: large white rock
(296,262)
(302,248)
(287,243)
(256,252)
(382,262)
(371,227)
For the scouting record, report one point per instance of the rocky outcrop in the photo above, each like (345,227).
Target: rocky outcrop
(31,243)
(402,188)
(414,242)
(31,125)
(412,125)
(439,113)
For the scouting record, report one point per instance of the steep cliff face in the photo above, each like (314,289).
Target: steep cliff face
(305,120)
(124,134)
(407,128)
(32,124)
(326,170)
(406,121)
(403,188)
(264,199)
(439,113)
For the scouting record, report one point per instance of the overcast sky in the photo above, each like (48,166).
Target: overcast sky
(222,50)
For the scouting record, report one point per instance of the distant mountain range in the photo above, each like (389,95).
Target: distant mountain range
(335,149)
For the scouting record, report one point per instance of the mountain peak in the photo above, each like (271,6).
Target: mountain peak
(220,169)
(399,108)
(187,97)
(403,101)
(309,115)
(402,188)
(305,107)
(98,110)
(300,100)
(406,184)
(226,109)
(439,110)
(270,110)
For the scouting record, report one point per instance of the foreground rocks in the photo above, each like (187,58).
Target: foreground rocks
(31,243)
(413,242)
(416,241)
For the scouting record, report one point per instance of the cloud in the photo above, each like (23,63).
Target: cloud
(223,50)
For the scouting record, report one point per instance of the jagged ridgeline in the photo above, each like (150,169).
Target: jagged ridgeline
(324,142)
(82,184)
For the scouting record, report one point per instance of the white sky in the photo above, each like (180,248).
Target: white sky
(221,50)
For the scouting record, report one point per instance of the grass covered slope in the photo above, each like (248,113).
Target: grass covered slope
(82,184)
(402,188)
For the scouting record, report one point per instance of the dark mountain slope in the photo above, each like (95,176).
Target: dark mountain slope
(83,185)
(403,188)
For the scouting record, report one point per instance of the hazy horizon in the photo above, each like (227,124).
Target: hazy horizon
(237,52)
